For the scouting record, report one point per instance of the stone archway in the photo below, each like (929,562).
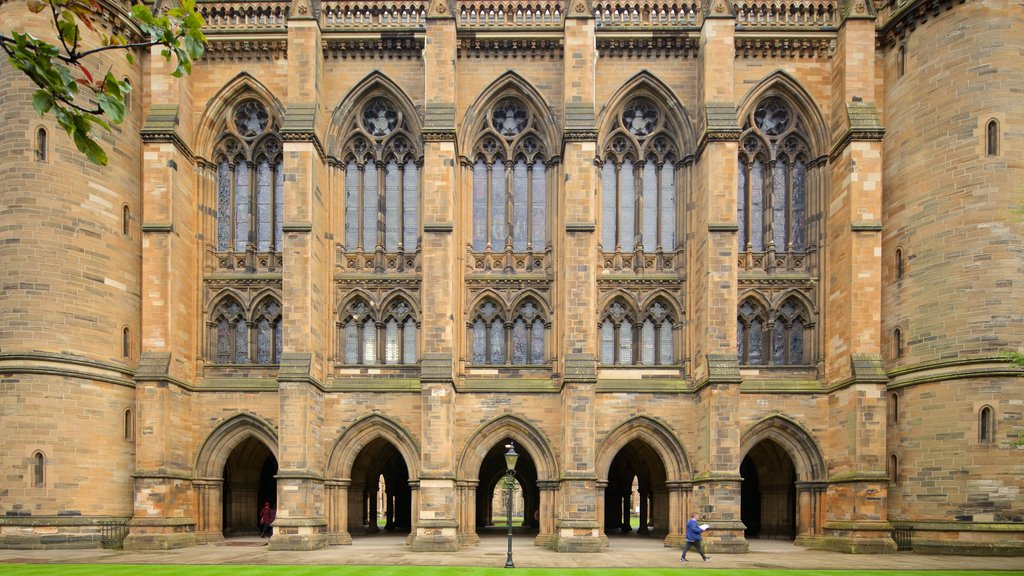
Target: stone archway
(234,473)
(645,453)
(372,480)
(783,489)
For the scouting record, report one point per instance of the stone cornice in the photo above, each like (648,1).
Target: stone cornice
(648,45)
(399,45)
(246,49)
(66,366)
(762,45)
(859,135)
(906,18)
(518,46)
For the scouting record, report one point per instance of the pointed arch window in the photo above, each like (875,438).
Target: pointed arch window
(788,334)
(369,337)
(41,144)
(232,333)
(894,408)
(750,333)
(645,339)
(772,180)
(38,469)
(894,469)
(638,182)
(510,183)
(268,332)
(250,182)
(382,181)
(129,425)
(498,338)
(986,425)
(992,138)
(897,343)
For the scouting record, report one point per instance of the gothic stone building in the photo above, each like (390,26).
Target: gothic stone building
(752,259)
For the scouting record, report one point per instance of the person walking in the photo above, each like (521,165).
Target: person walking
(694,538)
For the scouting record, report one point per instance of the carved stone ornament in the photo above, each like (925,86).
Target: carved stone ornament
(441,8)
(579,7)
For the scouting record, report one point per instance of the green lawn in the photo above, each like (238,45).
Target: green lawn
(234,570)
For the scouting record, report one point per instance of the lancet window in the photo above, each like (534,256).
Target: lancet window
(646,339)
(382,181)
(772,180)
(241,337)
(517,337)
(772,337)
(638,182)
(250,182)
(510,183)
(368,336)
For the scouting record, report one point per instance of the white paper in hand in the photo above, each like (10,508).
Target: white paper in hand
(705,526)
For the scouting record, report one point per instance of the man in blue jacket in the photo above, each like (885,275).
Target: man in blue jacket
(694,538)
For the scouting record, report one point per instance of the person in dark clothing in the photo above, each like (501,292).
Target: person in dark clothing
(694,538)
(267,517)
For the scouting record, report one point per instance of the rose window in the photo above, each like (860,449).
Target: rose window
(379,117)
(509,118)
(772,117)
(251,119)
(640,117)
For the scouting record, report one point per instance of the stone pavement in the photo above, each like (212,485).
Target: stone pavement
(624,552)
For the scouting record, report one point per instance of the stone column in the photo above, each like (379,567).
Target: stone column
(437,526)
(713,283)
(164,514)
(577,523)
(336,497)
(300,523)
(857,519)
(642,529)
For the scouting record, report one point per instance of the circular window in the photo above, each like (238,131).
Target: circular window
(251,119)
(772,117)
(509,118)
(640,117)
(379,117)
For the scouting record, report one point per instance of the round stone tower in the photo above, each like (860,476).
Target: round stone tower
(69,311)
(953,269)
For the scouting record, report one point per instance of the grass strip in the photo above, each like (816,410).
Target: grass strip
(263,570)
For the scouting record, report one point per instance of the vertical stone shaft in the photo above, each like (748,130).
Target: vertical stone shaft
(163,499)
(305,288)
(713,278)
(436,525)
(853,366)
(578,524)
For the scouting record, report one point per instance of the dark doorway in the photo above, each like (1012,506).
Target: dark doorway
(636,498)
(492,494)
(380,498)
(768,492)
(248,483)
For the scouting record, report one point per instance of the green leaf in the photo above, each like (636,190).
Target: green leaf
(35,6)
(90,148)
(42,101)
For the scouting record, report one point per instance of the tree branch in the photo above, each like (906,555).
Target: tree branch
(118,47)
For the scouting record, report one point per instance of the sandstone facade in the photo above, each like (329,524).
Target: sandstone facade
(752,260)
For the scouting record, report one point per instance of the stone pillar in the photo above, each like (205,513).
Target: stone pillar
(857,519)
(577,522)
(642,529)
(336,497)
(437,525)
(300,523)
(676,511)
(164,498)
(467,505)
(713,282)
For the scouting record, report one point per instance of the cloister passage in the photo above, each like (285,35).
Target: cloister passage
(379,497)
(636,498)
(491,506)
(768,493)
(248,483)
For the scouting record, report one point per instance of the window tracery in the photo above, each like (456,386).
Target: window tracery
(382,183)
(510,187)
(239,337)
(638,182)
(772,186)
(517,337)
(776,337)
(250,183)
(646,339)
(368,336)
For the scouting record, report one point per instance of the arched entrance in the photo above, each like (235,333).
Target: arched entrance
(248,483)
(768,492)
(379,497)
(492,493)
(783,491)
(636,497)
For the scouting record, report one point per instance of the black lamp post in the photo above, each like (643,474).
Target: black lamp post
(510,474)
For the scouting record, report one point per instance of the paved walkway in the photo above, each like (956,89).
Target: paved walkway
(624,552)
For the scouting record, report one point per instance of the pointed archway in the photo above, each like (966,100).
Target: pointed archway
(492,500)
(782,495)
(379,497)
(636,496)
(768,493)
(248,483)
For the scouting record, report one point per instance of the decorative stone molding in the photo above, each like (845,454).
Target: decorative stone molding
(762,46)
(245,50)
(650,47)
(399,46)
(471,47)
